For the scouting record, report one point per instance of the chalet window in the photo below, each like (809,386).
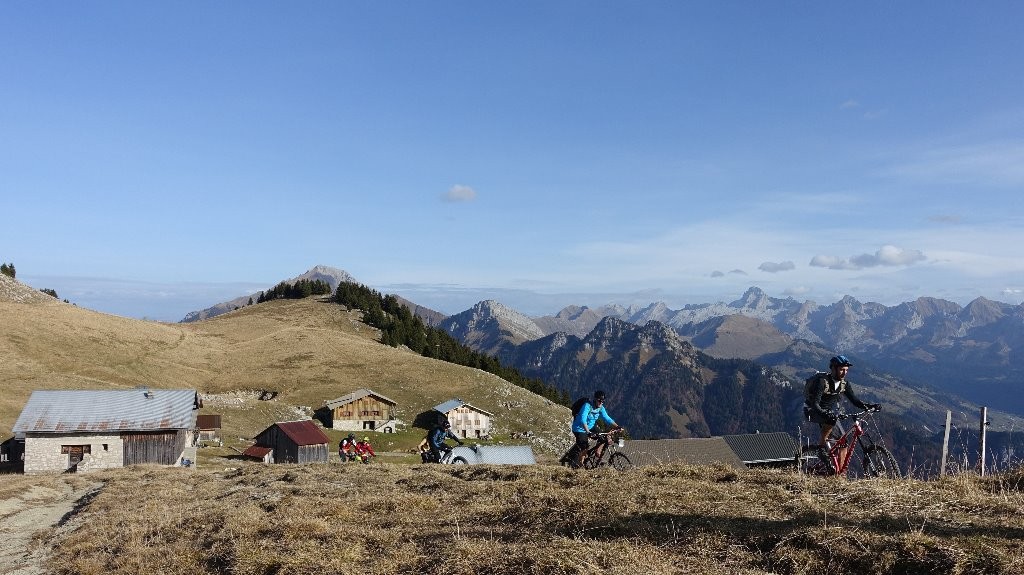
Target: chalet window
(65,449)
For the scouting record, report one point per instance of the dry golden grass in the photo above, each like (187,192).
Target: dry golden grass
(307,350)
(393,519)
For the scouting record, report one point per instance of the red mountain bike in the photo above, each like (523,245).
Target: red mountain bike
(876,460)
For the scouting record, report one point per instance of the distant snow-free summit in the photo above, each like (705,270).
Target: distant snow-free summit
(333,276)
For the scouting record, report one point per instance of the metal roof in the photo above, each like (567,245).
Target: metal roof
(457,403)
(93,411)
(763,447)
(303,432)
(210,421)
(693,450)
(357,394)
(257,451)
(496,454)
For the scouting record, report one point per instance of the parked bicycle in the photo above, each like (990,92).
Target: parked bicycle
(613,441)
(876,460)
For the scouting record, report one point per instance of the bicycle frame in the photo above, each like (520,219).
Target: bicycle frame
(878,461)
(845,442)
(616,459)
(609,440)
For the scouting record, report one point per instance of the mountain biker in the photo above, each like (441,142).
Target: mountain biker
(364,451)
(821,400)
(583,426)
(436,438)
(347,448)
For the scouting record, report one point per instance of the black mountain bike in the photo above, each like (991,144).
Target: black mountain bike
(612,440)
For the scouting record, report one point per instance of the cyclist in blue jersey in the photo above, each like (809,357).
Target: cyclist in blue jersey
(436,437)
(583,426)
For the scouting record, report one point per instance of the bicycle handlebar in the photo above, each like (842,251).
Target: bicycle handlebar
(859,413)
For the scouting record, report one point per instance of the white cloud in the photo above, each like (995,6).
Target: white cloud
(886,256)
(773,267)
(459,193)
(796,291)
(849,105)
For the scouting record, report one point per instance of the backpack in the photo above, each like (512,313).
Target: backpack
(810,382)
(577,405)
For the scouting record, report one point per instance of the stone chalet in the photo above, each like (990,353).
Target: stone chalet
(466,420)
(84,430)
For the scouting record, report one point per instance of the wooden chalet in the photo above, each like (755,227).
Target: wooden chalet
(290,442)
(363,410)
(466,420)
(97,429)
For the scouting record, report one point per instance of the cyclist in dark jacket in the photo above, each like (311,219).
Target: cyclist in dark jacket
(436,439)
(821,402)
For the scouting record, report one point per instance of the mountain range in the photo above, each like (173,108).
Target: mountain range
(685,372)
(972,351)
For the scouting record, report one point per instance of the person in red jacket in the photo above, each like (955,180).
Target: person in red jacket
(364,451)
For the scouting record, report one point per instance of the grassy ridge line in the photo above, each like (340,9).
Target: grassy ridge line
(309,351)
(397,519)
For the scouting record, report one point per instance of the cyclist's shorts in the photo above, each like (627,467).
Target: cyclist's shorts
(582,441)
(815,417)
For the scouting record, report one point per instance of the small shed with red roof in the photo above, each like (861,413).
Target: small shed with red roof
(290,442)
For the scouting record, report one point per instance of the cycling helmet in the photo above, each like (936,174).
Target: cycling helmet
(366,439)
(599,395)
(839,360)
(351,436)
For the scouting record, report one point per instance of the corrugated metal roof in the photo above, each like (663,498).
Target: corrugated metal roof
(209,421)
(694,450)
(106,410)
(496,454)
(763,447)
(357,394)
(303,432)
(457,403)
(257,451)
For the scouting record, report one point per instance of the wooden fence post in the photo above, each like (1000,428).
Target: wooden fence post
(981,441)
(945,444)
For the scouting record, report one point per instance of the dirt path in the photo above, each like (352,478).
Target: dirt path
(31,512)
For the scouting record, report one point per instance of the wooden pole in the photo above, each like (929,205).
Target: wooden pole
(945,444)
(981,441)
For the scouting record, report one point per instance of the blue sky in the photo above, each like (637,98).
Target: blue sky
(158,158)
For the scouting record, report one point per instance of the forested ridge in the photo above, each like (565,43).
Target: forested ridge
(399,326)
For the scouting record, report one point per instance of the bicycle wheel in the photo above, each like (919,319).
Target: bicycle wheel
(620,462)
(879,462)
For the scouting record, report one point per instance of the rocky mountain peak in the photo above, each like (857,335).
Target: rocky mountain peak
(753,298)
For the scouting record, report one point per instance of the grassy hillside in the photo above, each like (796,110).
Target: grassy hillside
(308,351)
(397,519)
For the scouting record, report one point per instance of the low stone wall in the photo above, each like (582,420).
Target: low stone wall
(44,454)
